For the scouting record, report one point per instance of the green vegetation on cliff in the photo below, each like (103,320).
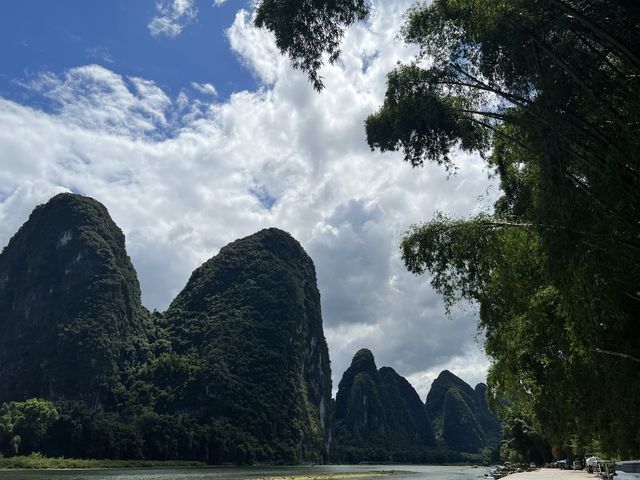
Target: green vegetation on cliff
(379,417)
(70,313)
(362,406)
(237,370)
(460,415)
(251,316)
(410,415)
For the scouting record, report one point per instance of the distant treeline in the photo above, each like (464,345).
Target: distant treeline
(71,430)
(39,461)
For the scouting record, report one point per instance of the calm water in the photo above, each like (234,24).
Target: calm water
(413,472)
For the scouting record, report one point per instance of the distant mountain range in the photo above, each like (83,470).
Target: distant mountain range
(379,416)
(236,370)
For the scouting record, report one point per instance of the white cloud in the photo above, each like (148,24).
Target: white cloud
(217,3)
(205,88)
(100,53)
(471,366)
(95,98)
(281,156)
(256,49)
(173,16)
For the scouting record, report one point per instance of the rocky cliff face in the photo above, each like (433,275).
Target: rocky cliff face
(490,424)
(361,407)
(460,427)
(459,414)
(71,320)
(379,410)
(410,414)
(252,315)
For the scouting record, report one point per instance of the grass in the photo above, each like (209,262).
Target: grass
(38,461)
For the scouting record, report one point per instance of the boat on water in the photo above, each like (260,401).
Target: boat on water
(628,470)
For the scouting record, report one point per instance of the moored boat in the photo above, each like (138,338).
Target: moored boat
(628,470)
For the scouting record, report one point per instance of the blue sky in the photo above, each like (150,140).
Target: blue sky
(39,36)
(187,123)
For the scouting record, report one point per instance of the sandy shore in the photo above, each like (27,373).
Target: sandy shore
(541,474)
(332,476)
(552,474)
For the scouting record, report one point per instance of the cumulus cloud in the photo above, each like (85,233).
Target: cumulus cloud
(282,156)
(205,88)
(172,17)
(471,366)
(95,98)
(256,48)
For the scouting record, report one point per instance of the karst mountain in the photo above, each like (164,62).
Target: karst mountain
(236,370)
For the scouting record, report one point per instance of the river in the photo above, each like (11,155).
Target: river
(404,472)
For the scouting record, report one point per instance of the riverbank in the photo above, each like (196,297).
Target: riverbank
(38,462)
(335,476)
(552,474)
(311,472)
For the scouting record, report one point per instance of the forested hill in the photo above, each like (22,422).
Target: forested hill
(251,318)
(460,415)
(237,370)
(378,414)
(379,417)
(71,320)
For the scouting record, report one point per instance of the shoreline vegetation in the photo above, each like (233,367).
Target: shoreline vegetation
(37,461)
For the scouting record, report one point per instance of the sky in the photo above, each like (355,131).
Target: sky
(186,122)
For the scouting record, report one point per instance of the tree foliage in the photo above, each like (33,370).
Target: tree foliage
(24,425)
(555,268)
(522,443)
(547,342)
(548,93)
(309,29)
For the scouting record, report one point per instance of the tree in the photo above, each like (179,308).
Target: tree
(308,29)
(555,268)
(548,93)
(23,425)
(522,443)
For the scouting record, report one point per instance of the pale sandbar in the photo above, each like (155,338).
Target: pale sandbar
(552,474)
(331,476)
